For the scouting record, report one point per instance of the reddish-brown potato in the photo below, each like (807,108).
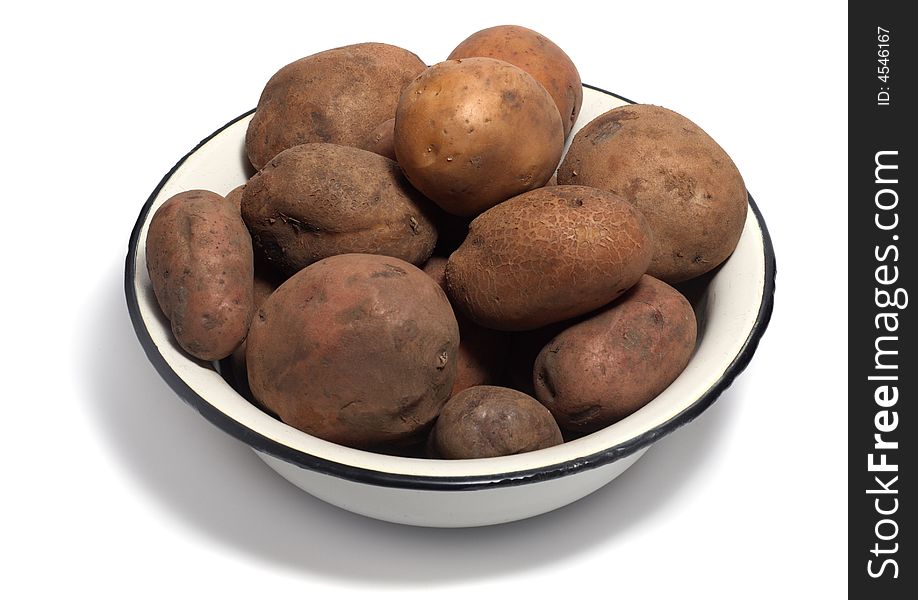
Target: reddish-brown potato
(604,368)
(264,285)
(357,349)
(548,255)
(199,256)
(234,197)
(381,140)
(318,200)
(480,359)
(486,421)
(337,96)
(686,186)
(535,54)
(472,133)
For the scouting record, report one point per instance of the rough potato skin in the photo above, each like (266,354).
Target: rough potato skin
(199,256)
(604,368)
(337,96)
(486,421)
(482,351)
(685,184)
(318,200)
(357,349)
(381,140)
(548,255)
(472,133)
(535,54)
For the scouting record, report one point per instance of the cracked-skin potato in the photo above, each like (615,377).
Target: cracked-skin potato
(548,255)
(318,200)
(604,368)
(486,421)
(482,351)
(338,96)
(199,256)
(687,187)
(472,133)
(535,54)
(357,349)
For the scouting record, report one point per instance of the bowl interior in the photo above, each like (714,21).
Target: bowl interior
(729,303)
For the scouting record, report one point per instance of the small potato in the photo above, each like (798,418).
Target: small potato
(235,197)
(548,255)
(686,186)
(381,140)
(318,200)
(199,256)
(480,359)
(338,96)
(604,368)
(357,349)
(472,133)
(265,284)
(535,54)
(486,421)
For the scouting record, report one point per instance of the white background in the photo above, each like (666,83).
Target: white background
(113,488)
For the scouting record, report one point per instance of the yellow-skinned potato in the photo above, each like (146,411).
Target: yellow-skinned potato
(472,133)
(686,186)
(535,54)
(338,96)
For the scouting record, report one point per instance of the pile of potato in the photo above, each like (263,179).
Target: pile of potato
(403,274)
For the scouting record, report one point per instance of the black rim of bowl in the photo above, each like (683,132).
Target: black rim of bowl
(426,482)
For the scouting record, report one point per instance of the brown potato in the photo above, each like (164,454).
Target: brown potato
(486,421)
(381,140)
(199,256)
(604,368)
(472,133)
(337,96)
(548,255)
(319,200)
(234,197)
(480,359)
(535,54)
(357,349)
(264,285)
(690,191)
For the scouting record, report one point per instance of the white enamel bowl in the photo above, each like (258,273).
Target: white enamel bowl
(733,309)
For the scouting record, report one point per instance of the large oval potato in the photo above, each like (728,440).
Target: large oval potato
(480,359)
(546,256)
(472,133)
(199,256)
(318,200)
(337,96)
(486,421)
(357,349)
(686,186)
(535,54)
(604,368)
